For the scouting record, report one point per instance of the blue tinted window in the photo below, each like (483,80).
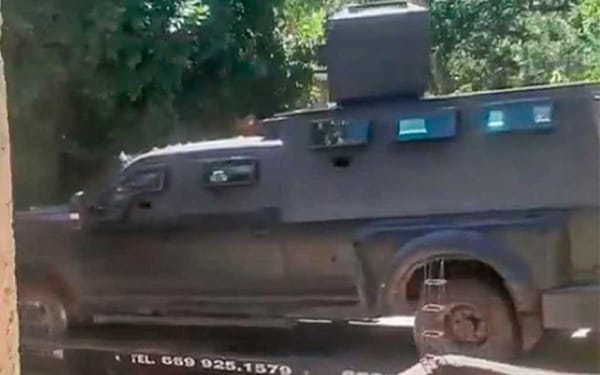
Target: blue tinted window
(519,115)
(496,119)
(438,125)
(338,133)
(412,126)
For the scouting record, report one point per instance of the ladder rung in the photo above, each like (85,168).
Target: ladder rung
(436,282)
(433,334)
(432,307)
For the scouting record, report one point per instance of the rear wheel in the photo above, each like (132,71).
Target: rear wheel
(477,320)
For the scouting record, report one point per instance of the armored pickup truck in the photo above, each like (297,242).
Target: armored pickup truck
(476,213)
(335,214)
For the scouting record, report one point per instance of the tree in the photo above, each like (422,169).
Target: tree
(95,77)
(134,70)
(482,44)
(105,75)
(588,22)
(241,65)
(87,72)
(479,44)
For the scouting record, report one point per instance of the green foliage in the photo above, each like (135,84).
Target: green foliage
(98,76)
(95,77)
(480,44)
(101,66)
(107,74)
(300,29)
(471,42)
(549,52)
(483,44)
(588,20)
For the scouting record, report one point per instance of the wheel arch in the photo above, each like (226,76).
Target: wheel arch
(468,245)
(40,276)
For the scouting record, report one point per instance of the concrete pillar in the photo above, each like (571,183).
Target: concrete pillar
(9,356)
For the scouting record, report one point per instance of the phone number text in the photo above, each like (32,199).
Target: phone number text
(213,364)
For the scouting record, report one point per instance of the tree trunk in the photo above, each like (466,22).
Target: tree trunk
(9,356)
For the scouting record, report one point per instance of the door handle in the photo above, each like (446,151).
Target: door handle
(144,204)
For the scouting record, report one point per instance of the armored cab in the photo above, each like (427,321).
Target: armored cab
(378,49)
(507,150)
(386,150)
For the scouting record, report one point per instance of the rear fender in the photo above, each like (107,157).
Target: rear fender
(509,265)
(506,262)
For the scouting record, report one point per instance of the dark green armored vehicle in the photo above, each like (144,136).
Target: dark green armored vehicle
(478,213)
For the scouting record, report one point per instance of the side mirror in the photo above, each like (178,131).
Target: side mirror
(76,201)
(86,210)
(75,209)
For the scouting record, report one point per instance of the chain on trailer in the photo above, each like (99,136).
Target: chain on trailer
(434,308)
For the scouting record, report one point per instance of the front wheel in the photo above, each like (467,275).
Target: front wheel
(476,320)
(42,313)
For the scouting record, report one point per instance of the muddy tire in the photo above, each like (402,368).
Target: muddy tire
(42,313)
(477,320)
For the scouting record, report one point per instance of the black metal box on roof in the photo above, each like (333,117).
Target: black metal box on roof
(375,50)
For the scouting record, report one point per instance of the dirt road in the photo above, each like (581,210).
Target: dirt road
(310,349)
